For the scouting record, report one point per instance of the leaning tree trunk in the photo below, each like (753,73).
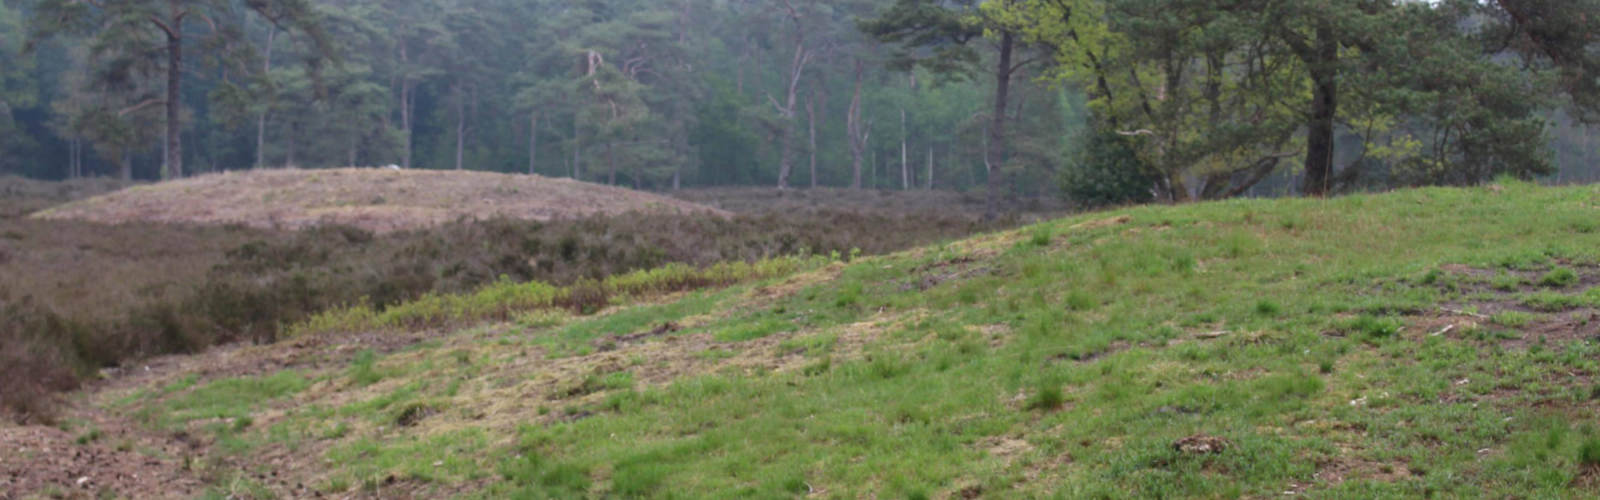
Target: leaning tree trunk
(174,104)
(786,161)
(796,69)
(993,157)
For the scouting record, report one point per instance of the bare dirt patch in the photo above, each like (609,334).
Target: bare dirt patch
(931,275)
(1478,302)
(114,460)
(374,199)
(1344,469)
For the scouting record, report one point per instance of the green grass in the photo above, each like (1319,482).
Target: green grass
(234,398)
(1067,372)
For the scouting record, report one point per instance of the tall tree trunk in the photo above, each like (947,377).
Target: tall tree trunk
(74,167)
(811,123)
(294,130)
(853,127)
(930,168)
(611,167)
(905,164)
(577,148)
(743,55)
(350,150)
(407,88)
(125,167)
(174,104)
(261,119)
(1324,109)
(461,125)
(533,142)
(993,157)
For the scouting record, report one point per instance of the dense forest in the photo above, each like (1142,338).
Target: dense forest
(1105,101)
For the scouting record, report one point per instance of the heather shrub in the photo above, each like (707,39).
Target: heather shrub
(103,294)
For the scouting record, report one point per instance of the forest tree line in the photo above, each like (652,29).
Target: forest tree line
(1106,101)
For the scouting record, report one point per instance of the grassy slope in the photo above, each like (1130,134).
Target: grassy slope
(1061,360)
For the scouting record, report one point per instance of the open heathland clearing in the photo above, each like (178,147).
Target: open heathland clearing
(79,296)
(378,200)
(1425,343)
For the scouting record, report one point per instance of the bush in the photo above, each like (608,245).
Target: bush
(1106,172)
(33,365)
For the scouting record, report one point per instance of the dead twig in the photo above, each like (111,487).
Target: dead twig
(1463,313)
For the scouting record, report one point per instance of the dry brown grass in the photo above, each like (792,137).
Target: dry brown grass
(377,200)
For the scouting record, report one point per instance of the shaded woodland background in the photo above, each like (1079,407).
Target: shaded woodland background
(871,93)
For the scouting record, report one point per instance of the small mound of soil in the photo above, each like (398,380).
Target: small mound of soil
(377,200)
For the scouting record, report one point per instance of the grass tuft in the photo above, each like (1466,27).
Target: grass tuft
(1047,397)
(1560,277)
(1589,452)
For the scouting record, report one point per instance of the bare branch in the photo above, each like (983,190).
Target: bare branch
(142,105)
(171,34)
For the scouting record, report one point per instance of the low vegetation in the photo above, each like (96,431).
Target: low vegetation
(1199,351)
(506,300)
(81,296)
(763,201)
(25,196)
